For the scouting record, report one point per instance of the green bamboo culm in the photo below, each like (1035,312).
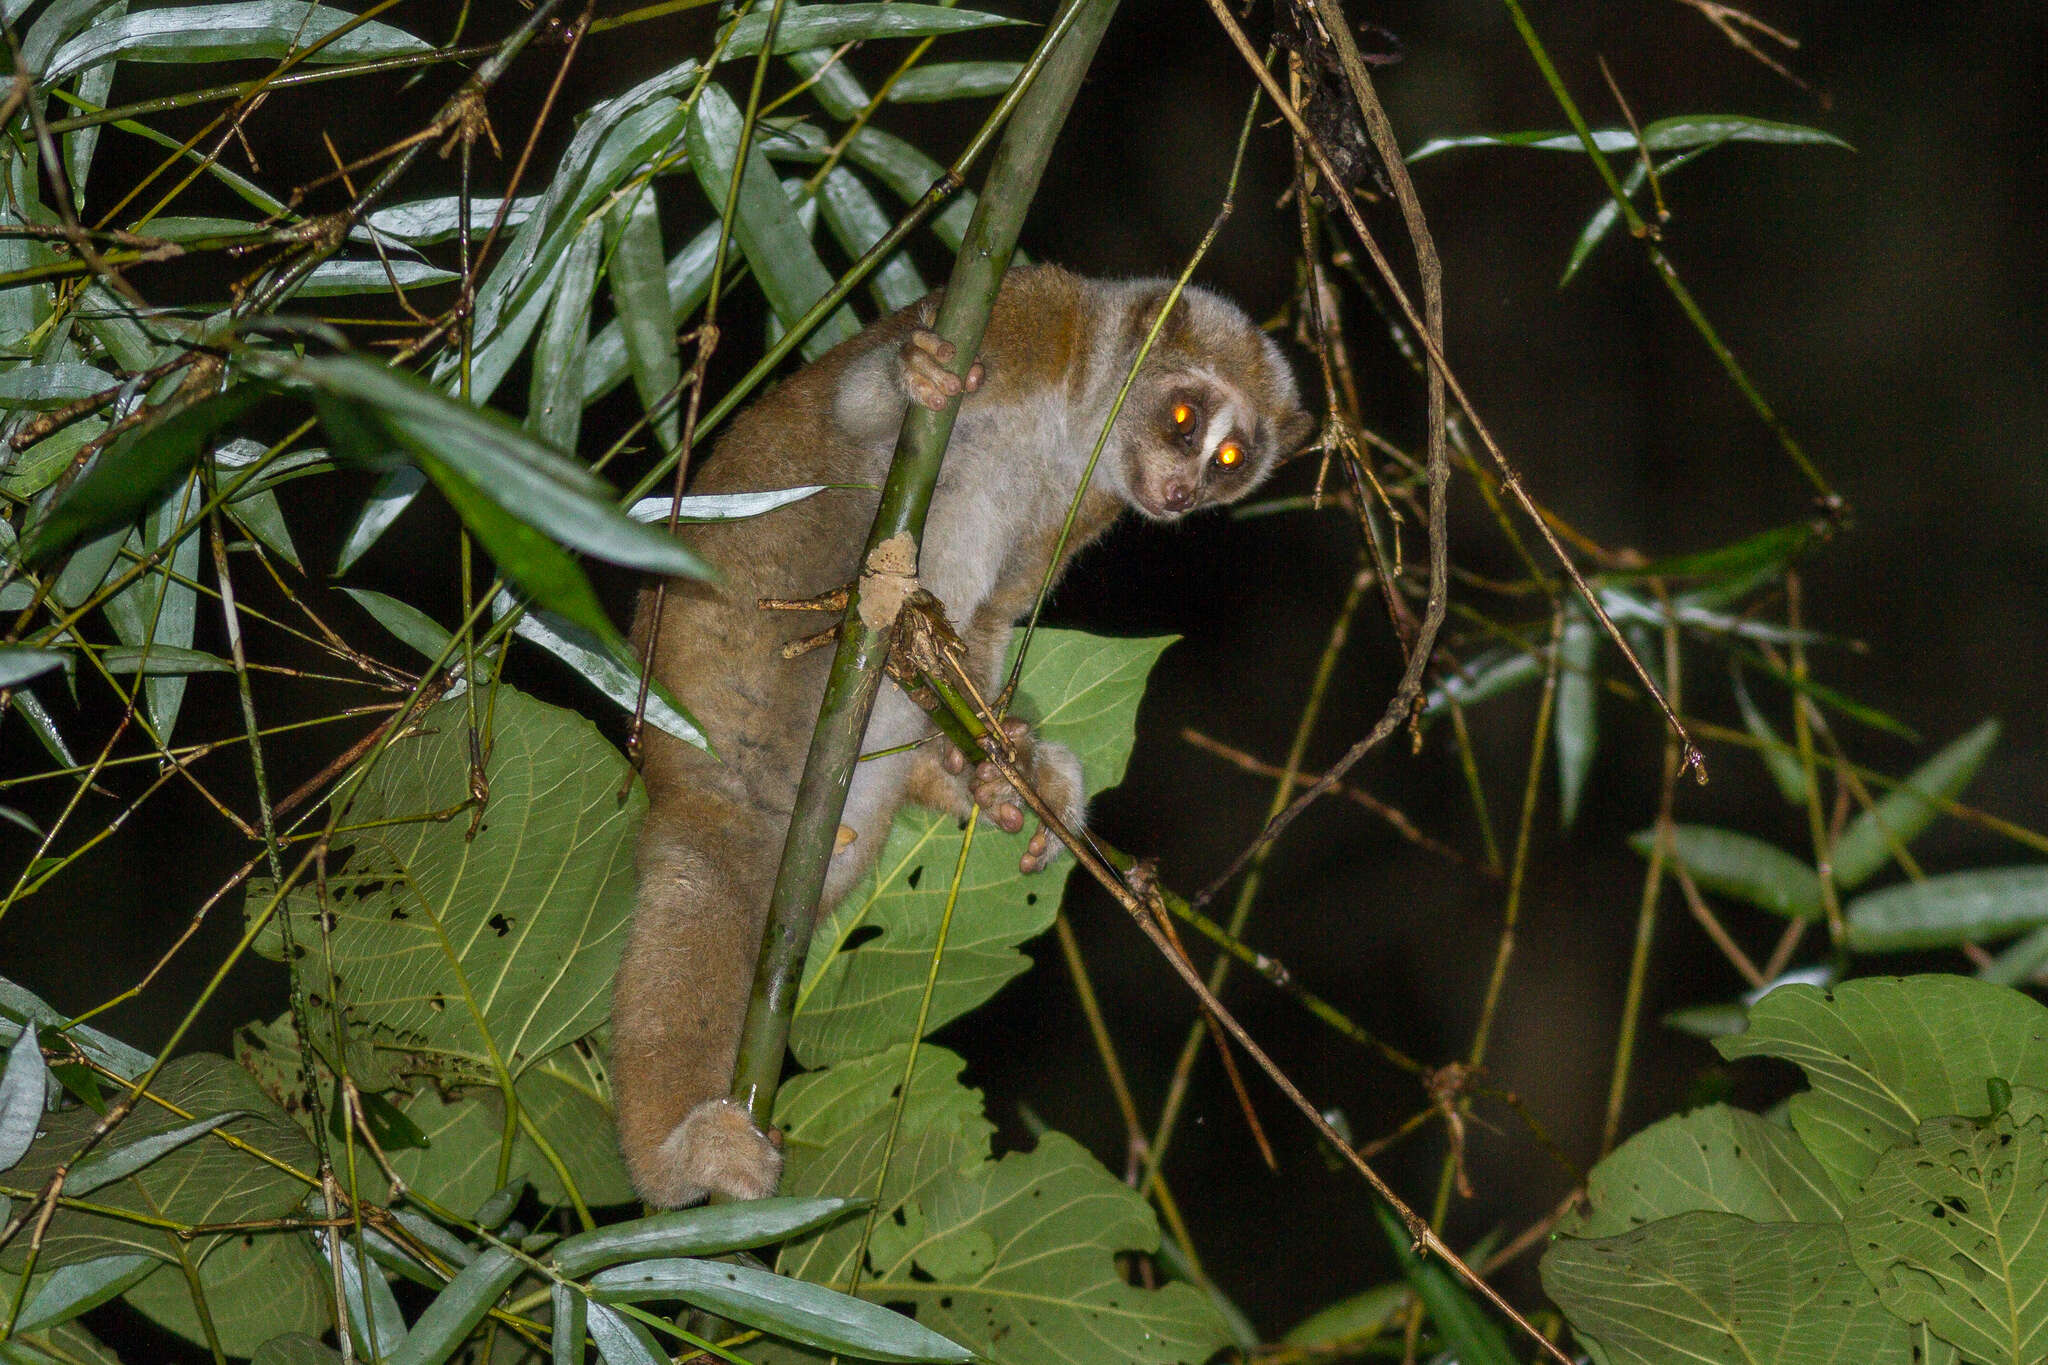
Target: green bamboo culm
(857,664)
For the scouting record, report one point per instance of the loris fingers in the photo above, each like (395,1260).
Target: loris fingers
(925,358)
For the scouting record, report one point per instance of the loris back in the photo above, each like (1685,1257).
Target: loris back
(1212,411)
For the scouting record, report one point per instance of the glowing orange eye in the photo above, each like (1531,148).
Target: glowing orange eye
(1182,415)
(1229,453)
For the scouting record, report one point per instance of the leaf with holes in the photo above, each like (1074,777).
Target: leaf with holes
(869,956)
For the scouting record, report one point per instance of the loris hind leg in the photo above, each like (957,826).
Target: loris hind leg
(678,1006)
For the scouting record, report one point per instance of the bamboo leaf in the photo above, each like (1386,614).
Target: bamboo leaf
(1578,714)
(412,626)
(19,663)
(1664,135)
(703,507)
(708,1231)
(688,281)
(1951,910)
(808,26)
(1472,1336)
(387,501)
(1779,760)
(954,81)
(24,1088)
(103,1168)
(161,661)
(1737,865)
(333,279)
(555,394)
(621,1340)
(458,1308)
(42,387)
(609,666)
(426,221)
(219,33)
(857,223)
(1901,815)
(808,1314)
(75,1289)
(373,1315)
(638,277)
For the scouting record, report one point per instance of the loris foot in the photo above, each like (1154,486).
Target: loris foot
(718,1149)
(1050,769)
(925,376)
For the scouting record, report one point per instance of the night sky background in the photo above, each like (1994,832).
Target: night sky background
(1887,299)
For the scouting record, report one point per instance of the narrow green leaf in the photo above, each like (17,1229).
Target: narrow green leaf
(1737,865)
(1349,1319)
(621,1340)
(807,26)
(19,663)
(373,1316)
(569,1314)
(1951,910)
(554,395)
(807,1314)
(954,81)
(1779,760)
(40,465)
(1473,1337)
(857,223)
(1665,135)
(688,281)
(702,507)
(525,479)
(387,501)
(219,33)
(1493,673)
(609,666)
(426,221)
(456,1309)
(258,515)
(638,278)
(22,1005)
(161,661)
(2019,964)
(708,1231)
(74,1289)
(1900,816)
(126,476)
(42,387)
(538,565)
(161,609)
(1835,701)
(411,625)
(764,222)
(1772,550)
(1601,224)
(24,1088)
(104,1168)
(1578,713)
(334,279)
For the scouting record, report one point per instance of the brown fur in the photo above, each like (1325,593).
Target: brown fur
(715,825)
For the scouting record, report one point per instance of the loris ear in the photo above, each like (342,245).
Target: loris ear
(1293,433)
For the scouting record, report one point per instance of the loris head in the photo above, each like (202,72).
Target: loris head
(1212,412)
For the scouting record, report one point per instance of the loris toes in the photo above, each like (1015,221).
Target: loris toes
(1039,853)
(925,358)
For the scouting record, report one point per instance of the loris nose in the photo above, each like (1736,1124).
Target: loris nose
(1177,496)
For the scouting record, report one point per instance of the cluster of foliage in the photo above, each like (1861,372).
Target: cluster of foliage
(413,1156)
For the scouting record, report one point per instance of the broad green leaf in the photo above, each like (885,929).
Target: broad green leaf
(502,944)
(525,478)
(24,1088)
(295,1348)
(861,989)
(41,387)
(954,81)
(65,1293)
(19,663)
(764,222)
(105,1167)
(412,626)
(127,475)
(1900,816)
(1664,135)
(1718,1289)
(706,1231)
(1719,1158)
(458,1308)
(1015,1258)
(610,667)
(700,507)
(1578,714)
(392,495)
(554,395)
(1950,910)
(219,33)
(857,223)
(1737,865)
(1885,1054)
(1472,1336)
(1952,1228)
(638,277)
(426,221)
(808,26)
(161,661)
(334,279)
(1782,764)
(804,1313)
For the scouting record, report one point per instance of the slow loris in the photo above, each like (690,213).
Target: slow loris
(1212,411)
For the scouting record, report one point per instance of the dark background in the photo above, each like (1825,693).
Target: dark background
(1888,300)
